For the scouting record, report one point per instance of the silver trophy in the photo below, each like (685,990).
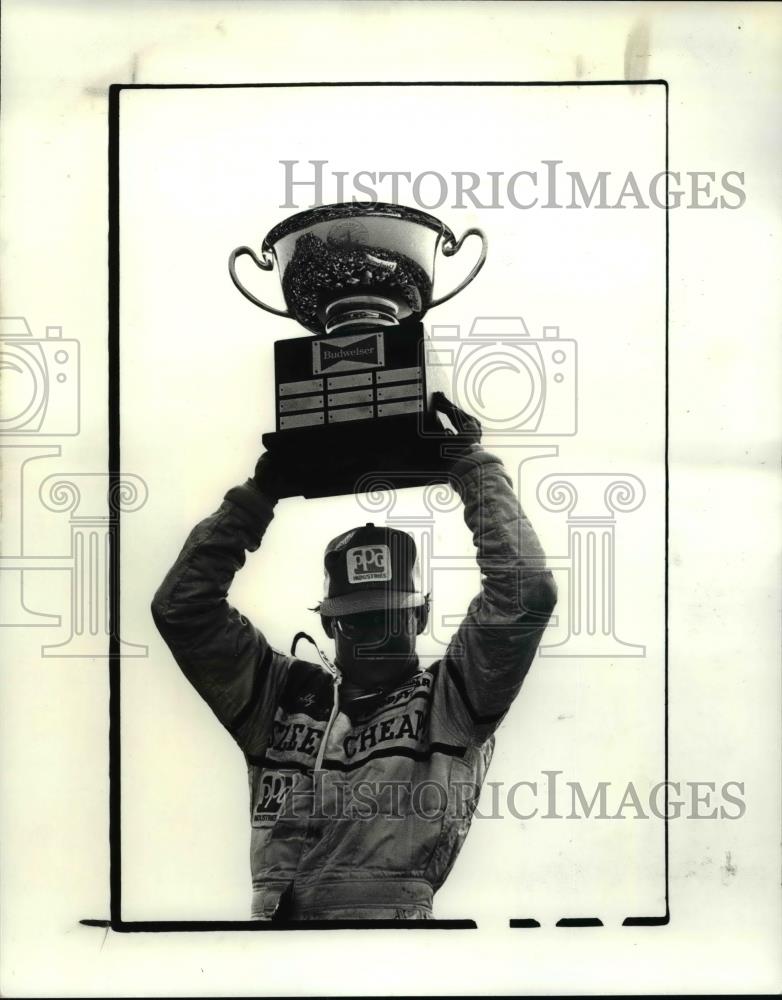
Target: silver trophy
(357,397)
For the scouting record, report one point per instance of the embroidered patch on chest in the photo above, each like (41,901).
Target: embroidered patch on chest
(403,729)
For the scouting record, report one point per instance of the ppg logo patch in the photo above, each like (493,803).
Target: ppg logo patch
(368,563)
(274,790)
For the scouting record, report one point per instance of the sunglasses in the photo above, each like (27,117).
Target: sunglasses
(393,621)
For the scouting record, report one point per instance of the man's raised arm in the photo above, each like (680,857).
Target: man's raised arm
(491,652)
(222,654)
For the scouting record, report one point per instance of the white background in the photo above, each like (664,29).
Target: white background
(724,682)
(199,174)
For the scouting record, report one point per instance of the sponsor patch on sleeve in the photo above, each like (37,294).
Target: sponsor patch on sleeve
(274,789)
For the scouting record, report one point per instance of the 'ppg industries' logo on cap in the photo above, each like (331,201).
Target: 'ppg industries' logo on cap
(348,353)
(369,563)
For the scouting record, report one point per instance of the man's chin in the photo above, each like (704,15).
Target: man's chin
(377,671)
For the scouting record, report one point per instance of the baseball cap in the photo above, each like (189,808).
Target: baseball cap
(369,569)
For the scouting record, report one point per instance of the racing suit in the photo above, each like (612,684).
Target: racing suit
(359,809)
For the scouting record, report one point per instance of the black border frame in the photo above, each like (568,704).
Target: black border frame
(115,922)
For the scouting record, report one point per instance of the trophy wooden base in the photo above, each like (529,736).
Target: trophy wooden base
(411,449)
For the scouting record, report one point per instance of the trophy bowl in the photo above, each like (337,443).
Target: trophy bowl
(349,267)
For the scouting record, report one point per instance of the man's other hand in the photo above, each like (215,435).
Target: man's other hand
(463,429)
(272,478)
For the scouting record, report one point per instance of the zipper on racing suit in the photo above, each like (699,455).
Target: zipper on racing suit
(330,723)
(334,671)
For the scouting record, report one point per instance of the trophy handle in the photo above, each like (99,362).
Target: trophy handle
(449,249)
(264,264)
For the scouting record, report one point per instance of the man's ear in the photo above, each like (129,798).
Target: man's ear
(422,618)
(328,625)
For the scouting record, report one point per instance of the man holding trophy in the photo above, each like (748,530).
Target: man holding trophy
(365,772)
